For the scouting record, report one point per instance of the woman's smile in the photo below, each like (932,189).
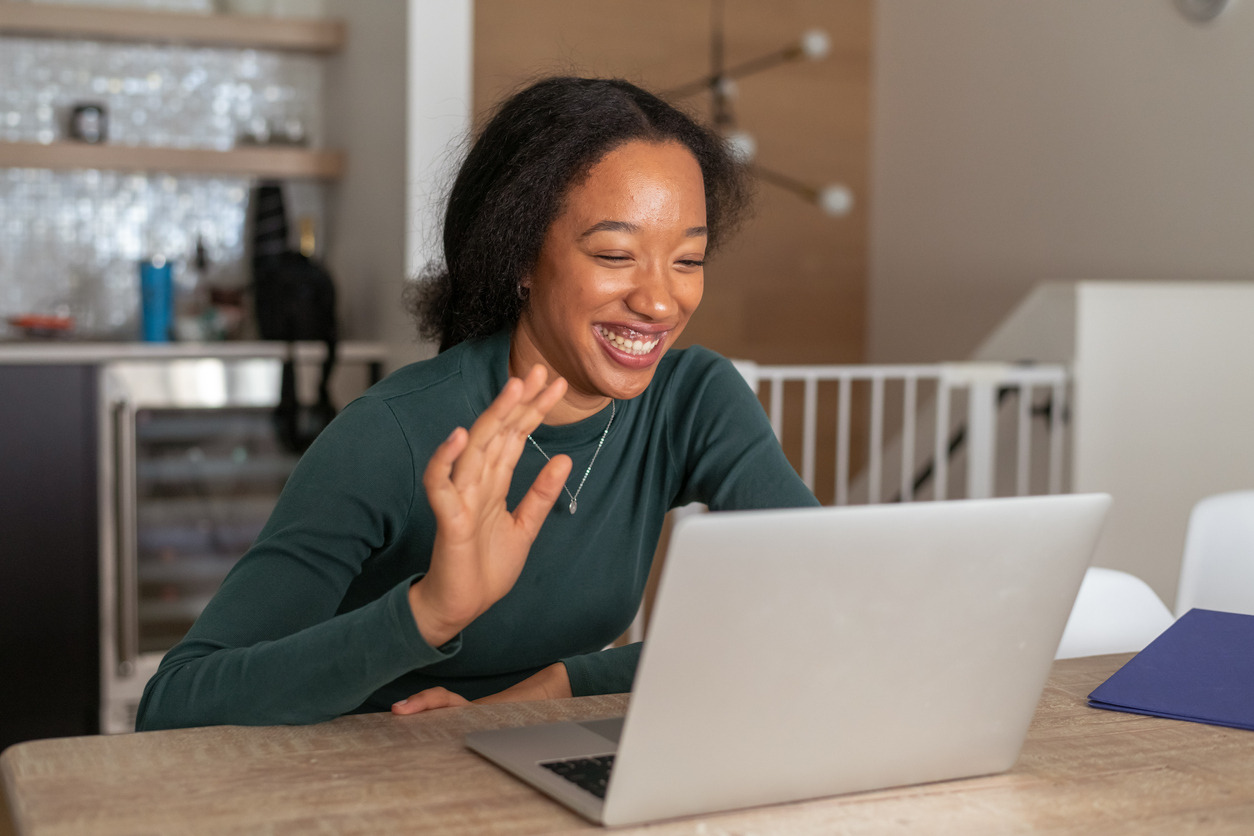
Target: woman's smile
(635,346)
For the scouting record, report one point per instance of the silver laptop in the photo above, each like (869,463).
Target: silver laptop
(805,653)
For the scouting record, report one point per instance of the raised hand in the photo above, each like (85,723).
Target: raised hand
(480,546)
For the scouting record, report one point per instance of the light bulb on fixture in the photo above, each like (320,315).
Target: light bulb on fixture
(835,200)
(742,146)
(815,44)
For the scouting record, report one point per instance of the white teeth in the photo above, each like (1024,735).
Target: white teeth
(624,344)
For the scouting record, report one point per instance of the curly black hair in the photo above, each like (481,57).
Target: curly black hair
(542,141)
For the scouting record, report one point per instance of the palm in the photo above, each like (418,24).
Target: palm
(480,545)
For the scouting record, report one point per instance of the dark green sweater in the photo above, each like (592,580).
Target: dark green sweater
(314,621)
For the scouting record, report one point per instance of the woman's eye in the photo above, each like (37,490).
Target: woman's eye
(692,262)
(613,258)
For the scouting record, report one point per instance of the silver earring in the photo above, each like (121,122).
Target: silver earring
(522,292)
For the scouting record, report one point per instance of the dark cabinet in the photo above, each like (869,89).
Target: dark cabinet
(49,610)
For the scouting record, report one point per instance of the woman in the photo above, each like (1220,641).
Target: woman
(393,572)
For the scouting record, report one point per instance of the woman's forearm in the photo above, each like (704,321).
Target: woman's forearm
(312,675)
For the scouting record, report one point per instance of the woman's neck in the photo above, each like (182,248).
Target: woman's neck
(524,355)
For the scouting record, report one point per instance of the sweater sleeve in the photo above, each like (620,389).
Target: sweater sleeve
(270,647)
(605,672)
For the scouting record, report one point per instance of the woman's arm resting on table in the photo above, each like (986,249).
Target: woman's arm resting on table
(551,683)
(605,672)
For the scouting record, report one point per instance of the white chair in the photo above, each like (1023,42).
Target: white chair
(1114,613)
(1218,568)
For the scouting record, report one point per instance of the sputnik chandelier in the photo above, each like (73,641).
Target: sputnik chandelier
(835,199)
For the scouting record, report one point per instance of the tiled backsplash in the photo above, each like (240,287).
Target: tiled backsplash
(71,240)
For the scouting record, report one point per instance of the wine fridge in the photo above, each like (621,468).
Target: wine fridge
(191,467)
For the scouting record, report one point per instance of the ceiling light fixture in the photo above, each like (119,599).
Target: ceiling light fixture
(834,199)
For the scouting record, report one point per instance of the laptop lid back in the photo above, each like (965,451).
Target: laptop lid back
(803,653)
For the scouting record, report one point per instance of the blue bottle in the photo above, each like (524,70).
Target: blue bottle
(156,290)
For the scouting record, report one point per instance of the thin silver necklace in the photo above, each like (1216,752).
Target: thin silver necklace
(574,497)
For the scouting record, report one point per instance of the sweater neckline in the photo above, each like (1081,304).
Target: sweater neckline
(485,370)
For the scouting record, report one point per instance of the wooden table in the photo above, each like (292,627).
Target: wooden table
(1082,770)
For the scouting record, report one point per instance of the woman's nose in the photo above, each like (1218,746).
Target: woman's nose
(651,295)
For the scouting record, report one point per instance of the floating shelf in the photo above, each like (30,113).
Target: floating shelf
(240,31)
(260,161)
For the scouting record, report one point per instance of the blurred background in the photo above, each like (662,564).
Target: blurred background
(998,248)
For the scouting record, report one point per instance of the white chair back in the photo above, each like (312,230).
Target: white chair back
(1114,613)
(1217,572)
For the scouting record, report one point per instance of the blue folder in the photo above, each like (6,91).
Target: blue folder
(1200,669)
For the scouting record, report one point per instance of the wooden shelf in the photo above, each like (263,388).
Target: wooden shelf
(240,31)
(260,161)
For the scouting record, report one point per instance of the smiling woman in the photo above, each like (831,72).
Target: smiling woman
(415,559)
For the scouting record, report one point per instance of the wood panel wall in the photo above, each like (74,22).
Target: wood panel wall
(792,287)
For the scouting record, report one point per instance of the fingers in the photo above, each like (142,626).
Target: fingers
(427,700)
(486,427)
(526,416)
(437,479)
(499,435)
(545,490)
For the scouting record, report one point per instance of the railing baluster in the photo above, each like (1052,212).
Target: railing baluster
(1057,407)
(842,440)
(940,455)
(777,406)
(980,425)
(809,431)
(1023,467)
(875,464)
(908,417)
(981,437)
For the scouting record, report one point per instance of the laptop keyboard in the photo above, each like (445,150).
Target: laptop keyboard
(593,774)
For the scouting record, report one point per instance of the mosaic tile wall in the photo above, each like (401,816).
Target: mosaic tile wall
(70,241)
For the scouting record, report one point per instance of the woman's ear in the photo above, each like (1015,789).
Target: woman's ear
(524,288)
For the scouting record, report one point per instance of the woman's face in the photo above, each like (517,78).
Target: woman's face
(619,274)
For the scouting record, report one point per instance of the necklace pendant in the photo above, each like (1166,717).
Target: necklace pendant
(573,506)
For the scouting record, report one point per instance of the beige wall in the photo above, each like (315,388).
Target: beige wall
(398,102)
(1015,142)
(791,288)
(441,36)
(365,105)
(1158,420)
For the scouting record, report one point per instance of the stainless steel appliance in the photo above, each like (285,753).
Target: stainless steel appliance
(190,469)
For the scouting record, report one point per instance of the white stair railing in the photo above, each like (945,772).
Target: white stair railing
(986,386)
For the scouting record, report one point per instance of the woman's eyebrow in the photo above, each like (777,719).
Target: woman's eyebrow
(627,226)
(610,226)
